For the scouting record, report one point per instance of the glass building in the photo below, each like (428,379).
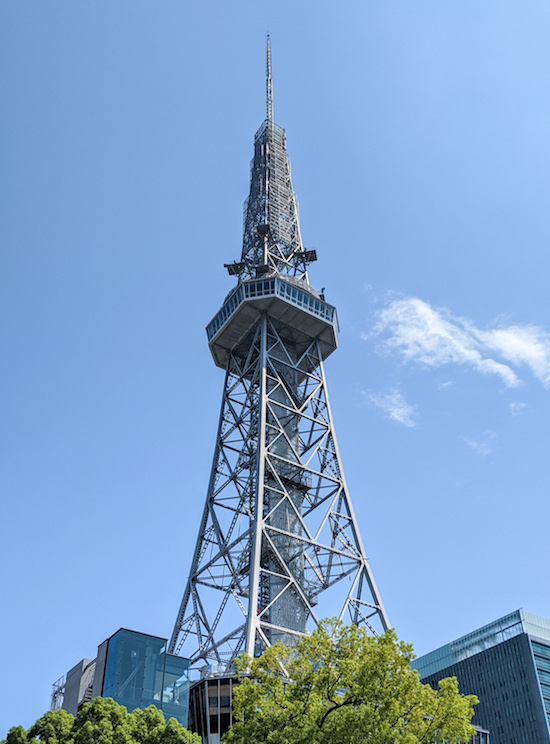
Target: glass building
(507,665)
(135,670)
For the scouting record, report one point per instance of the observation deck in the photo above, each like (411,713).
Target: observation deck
(299,314)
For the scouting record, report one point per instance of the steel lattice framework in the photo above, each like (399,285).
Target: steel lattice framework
(278,546)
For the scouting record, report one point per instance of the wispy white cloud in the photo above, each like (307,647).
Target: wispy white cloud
(522,345)
(434,337)
(482,446)
(517,408)
(394,406)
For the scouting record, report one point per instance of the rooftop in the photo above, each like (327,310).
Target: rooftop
(490,635)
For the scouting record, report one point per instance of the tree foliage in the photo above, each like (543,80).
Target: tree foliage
(102,721)
(345,687)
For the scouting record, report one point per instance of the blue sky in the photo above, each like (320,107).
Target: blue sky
(418,136)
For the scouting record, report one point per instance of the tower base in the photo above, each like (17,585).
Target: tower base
(210,700)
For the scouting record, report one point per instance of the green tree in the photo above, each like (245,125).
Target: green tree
(102,721)
(16,735)
(345,687)
(55,727)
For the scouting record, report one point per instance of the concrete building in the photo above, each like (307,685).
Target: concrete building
(507,665)
(76,688)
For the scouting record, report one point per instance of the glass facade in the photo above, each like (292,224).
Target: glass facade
(139,672)
(270,287)
(507,665)
(210,708)
(541,655)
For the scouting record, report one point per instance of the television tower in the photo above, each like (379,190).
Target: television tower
(278,547)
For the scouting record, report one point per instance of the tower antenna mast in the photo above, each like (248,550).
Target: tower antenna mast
(269,84)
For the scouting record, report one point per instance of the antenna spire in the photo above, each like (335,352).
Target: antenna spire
(269,84)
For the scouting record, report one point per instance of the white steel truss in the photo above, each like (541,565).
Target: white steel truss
(278,528)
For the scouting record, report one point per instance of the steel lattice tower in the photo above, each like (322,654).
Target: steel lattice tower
(278,546)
